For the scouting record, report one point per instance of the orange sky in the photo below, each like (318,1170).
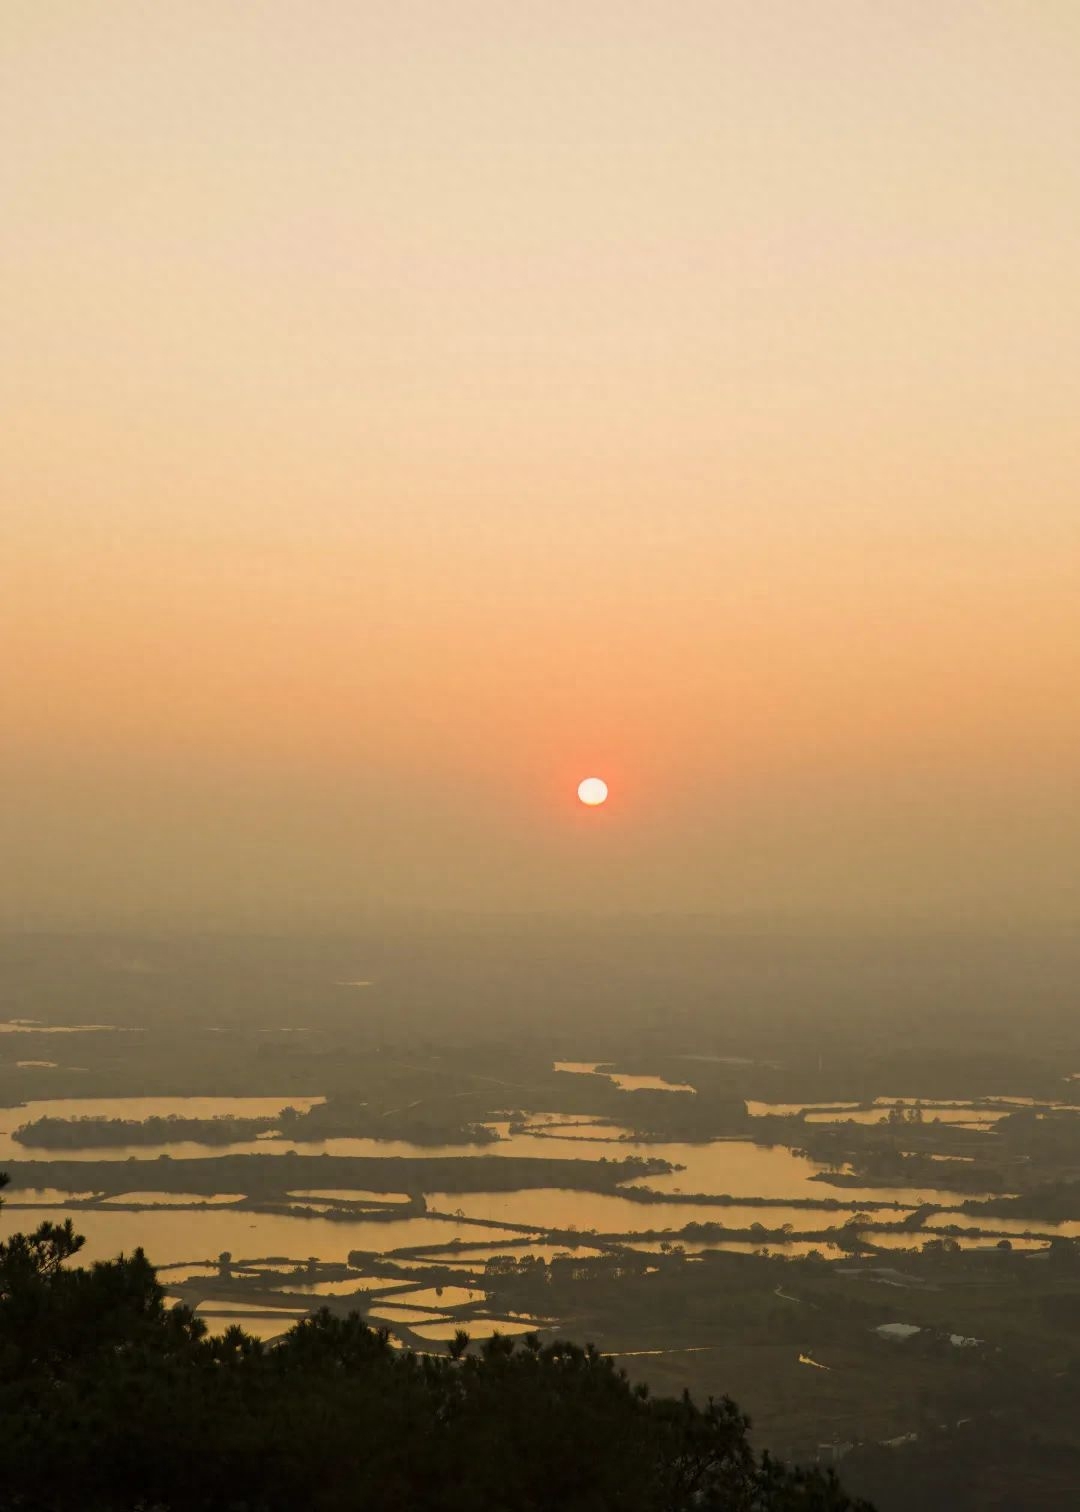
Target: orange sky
(411,408)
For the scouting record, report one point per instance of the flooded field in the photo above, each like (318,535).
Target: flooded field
(554,1208)
(790,1110)
(627,1083)
(173,1199)
(738,1168)
(352,1194)
(264,1326)
(230,1309)
(720,1167)
(204,1226)
(388,1314)
(974,1113)
(43,1197)
(916,1240)
(476,1328)
(966,1117)
(139,1109)
(191,1235)
(446,1296)
(1069,1228)
(343,1288)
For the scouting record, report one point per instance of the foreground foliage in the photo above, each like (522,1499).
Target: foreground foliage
(109,1401)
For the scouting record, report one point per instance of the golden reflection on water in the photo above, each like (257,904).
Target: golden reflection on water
(140,1108)
(352,1194)
(187,1235)
(266,1328)
(228,1309)
(337,1288)
(44,1196)
(623,1080)
(388,1314)
(919,1237)
(175,1199)
(1069,1227)
(556,1208)
(477,1328)
(446,1296)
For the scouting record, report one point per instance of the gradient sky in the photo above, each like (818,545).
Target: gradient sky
(412,406)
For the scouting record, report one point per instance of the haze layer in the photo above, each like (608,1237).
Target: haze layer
(412,408)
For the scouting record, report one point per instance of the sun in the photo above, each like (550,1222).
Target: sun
(592,791)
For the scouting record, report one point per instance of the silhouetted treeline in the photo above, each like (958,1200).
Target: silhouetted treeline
(98,1133)
(112,1403)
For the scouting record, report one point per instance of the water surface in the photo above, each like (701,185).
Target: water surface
(343,1288)
(188,1235)
(624,1081)
(476,1328)
(557,1208)
(174,1199)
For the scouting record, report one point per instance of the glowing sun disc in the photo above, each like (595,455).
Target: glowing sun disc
(592,791)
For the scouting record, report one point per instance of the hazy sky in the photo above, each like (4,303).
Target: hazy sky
(410,408)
